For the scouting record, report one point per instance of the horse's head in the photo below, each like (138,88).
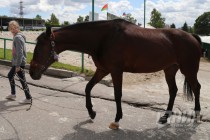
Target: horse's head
(44,54)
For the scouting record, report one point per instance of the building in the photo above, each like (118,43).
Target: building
(25,23)
(147,26)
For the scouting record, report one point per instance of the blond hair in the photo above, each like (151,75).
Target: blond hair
(14,25)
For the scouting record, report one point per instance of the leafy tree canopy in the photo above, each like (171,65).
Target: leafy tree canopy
(156,19)
(38,17)
(65,23)
(80,19)
(173,26)
(202,24)
(185,27)
(86,18)
(129,17)
(53,21)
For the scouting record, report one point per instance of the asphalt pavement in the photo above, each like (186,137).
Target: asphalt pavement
(58,111)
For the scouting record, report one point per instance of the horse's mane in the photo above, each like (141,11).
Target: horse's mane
(92,23)
(88,24)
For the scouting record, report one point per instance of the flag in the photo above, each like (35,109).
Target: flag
(105,7)
(124,14)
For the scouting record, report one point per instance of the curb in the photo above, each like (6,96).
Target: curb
(50,71)
(59,73)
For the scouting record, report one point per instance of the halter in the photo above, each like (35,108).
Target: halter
(53,54)
(52,38)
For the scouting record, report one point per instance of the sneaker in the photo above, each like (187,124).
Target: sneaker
(11,97)
(25,101)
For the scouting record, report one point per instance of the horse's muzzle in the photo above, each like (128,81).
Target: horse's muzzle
(35,71)
(34,75)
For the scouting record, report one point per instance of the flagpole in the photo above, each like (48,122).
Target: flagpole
(144,12)
(92,20)
(92,10)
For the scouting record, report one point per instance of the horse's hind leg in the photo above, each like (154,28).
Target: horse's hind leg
(99,74)
(117,81)
(195,87)
(170,79)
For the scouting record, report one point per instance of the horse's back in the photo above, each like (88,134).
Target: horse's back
(136,49)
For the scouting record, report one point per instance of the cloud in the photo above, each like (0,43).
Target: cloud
(81,1)
(31,2)
(28,6)
(74,5)
(55,2)
(174,11)
(97,2)
(4,3)
(119,7)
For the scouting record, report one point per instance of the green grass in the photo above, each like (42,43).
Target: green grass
(56,65)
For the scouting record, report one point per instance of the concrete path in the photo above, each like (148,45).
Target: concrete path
(59,113)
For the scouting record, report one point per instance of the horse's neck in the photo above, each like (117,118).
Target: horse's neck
(85,41)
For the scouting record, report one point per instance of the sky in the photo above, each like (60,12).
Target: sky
(174,11)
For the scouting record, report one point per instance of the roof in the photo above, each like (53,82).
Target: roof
(148,26)
(16,18)
(205,39)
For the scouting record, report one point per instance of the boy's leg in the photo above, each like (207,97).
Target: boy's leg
(23,82)
(11,76)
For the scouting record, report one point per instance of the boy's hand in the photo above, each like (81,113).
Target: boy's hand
(17,69)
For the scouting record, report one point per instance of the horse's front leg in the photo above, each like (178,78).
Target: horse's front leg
(89,105)
(99,74)
(117,81)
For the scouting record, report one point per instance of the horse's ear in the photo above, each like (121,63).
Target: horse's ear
(48,31)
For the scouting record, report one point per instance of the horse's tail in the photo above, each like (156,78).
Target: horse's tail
(188,91)
(200,42)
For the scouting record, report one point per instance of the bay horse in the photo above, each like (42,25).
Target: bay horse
(118,46)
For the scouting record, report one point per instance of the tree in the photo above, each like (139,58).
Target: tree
(185,27)
(129,17)
(173,26)
(191,29)
(86,18)
(156,19)
(65,23)
(202,24)
(80,19)
(38,17)
(4,16)
(53,21)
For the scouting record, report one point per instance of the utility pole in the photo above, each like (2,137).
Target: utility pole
(21,9)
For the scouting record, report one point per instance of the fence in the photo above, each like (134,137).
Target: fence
(8,39)
(206,46)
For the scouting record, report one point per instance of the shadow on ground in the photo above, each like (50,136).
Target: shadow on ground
(167,133)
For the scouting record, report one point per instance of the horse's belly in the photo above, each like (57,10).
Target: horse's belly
(148,66)
(142,70)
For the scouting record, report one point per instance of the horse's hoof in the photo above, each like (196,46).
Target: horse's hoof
(114,126)
(93,115)
(198,119)
(162,120)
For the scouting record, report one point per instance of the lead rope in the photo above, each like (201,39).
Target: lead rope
(55,56)
(24,89)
